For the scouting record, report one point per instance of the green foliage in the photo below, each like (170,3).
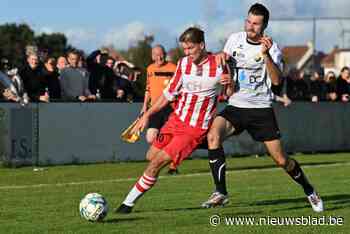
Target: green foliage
(13,40)
(55,43)
(176,53)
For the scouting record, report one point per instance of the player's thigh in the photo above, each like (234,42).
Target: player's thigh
(152,152)
(220,129)
(181,146)
(160,160)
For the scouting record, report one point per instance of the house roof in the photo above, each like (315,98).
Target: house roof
(293,54)
(329,59)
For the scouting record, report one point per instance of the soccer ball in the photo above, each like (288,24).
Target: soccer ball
(93,207)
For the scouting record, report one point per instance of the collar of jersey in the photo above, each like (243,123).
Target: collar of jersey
(201,63)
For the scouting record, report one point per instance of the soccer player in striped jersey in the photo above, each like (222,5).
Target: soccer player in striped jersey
(194,89)
(257,61)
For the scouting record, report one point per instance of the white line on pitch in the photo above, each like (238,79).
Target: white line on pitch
(11,187)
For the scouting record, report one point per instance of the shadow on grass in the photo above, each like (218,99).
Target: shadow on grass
(331,202)
(241,168)
(338,198)
(121,220)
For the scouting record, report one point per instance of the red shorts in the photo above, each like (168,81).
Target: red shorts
(178,139)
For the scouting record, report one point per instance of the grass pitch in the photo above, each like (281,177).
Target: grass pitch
(46,201)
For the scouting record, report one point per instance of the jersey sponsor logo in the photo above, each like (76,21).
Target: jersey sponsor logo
(258,57)
(241,76)
(193,86)
(162,74)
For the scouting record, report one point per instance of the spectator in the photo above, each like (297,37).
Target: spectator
(33,79)
(4,65)
(343,85)
(75,80)
(124,90)
(102,76)
(52,77)
(61,63)
(110,62)
(317,88)
(331,86)
(297,89)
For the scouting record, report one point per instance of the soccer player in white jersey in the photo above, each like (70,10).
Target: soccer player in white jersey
(195,84)
(257,61)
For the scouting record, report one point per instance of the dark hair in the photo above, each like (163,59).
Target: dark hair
(103,58)
(192,34)
(75,52)
(345,68)
(260,9)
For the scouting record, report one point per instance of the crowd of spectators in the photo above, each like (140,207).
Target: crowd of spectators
(316,87)
(99,76)
(72,77)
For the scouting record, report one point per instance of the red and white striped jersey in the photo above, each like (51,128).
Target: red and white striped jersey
(196,89)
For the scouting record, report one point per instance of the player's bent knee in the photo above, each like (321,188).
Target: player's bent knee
(160,159)
(151,153)
(213,139)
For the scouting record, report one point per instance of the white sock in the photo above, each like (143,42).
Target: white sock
(142,185)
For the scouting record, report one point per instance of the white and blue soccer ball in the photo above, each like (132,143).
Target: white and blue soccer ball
(93,207)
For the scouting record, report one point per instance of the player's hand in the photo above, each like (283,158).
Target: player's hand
(266,44)
(221,58)
(141,124)
(225,79)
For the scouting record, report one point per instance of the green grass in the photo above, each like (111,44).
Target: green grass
(47,201)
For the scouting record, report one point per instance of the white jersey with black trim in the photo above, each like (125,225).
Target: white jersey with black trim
(253,84)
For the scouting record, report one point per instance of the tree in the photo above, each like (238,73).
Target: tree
(176,53)
(13,40)
(55,44)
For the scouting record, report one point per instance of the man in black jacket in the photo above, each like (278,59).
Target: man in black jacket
(33,79)
(102,77)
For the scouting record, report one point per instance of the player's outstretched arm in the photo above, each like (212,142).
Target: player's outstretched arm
(158,105)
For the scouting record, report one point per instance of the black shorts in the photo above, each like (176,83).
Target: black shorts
(260,123)
(158,119)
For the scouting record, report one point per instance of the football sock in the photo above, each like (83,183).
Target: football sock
(142,185)
(293,169)
(218,168)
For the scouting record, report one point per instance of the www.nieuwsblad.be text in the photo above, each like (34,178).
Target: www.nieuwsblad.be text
(217,220)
